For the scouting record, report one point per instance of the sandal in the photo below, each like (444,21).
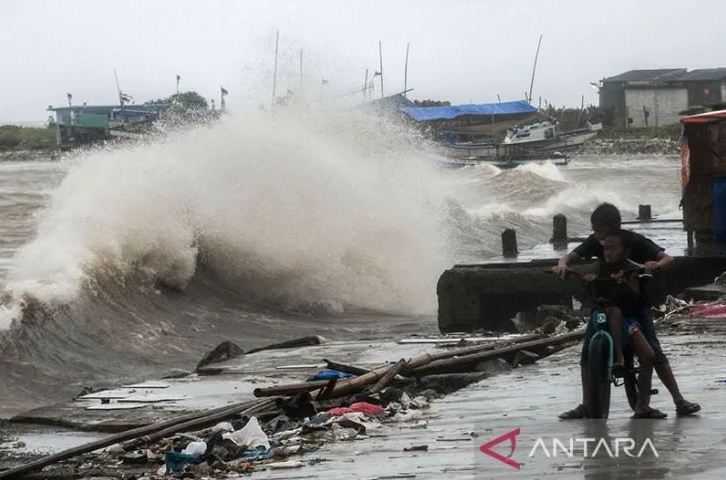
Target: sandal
(685,408)
(651,413)
(574,414)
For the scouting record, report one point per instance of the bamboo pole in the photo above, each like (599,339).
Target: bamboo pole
(175,424)
(386,379)
(257,406)
(464,363)
(426,358)
(342,367)
(353,385)
(289,389)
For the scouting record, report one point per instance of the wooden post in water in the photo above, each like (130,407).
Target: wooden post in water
(509,243)
(559,231)
(644,213)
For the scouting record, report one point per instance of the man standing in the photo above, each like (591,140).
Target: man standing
(605,220)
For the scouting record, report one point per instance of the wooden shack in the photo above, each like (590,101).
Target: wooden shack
(703,177)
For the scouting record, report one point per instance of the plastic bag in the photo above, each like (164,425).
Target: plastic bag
(251,436)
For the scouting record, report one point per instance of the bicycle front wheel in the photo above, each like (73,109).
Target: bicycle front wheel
(599,358)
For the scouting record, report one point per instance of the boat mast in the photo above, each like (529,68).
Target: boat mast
(301,71)
(274,73)
(405,71)
(380,60)
(534,69)
(365,86)
(118,89)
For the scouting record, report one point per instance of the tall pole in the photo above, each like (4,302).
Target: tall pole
(405,71)
(301,70)
(118,89)
(365,86)
(534,69)
(274,73)
(178,78)
(380,60)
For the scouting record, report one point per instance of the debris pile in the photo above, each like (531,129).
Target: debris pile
(286,424)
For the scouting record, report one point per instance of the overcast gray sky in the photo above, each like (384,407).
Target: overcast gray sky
(463,51)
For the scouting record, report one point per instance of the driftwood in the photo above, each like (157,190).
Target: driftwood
(426,358)
(467,362)
(342,367)
(354,385)
(290,389)
(255,407)
(166,428)
(387,377)
(297,342)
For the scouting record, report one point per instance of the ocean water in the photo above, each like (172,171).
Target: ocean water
(120,263)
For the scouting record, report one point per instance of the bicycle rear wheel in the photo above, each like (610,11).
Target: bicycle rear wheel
(599,358)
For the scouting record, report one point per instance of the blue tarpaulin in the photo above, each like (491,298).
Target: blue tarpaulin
(424,114)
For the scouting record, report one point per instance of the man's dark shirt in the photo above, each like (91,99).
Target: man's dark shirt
(642,249)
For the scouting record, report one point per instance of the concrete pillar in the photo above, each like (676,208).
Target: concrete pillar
(509,243)
(644,212)
(559,231)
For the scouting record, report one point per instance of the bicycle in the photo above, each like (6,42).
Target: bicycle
(601,351)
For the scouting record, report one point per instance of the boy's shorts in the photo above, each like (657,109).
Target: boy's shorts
(630,326)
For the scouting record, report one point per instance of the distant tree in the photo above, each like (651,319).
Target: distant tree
(185,101)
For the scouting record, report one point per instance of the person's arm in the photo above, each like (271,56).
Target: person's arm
(663,261)
(562,264)
(584,250)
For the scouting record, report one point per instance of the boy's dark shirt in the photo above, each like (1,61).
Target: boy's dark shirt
(630,302)
(642,249)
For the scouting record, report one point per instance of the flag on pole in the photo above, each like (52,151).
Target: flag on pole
(178,77)
(223,91)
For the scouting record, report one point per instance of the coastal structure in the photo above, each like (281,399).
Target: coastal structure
(703,178)
(90,123)
(656,98)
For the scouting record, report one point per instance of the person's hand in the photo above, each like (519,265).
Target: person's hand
(618,276)
(651,266)
(589,277)
(560,270)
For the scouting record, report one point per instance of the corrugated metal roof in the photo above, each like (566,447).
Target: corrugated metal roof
(648,75)
(704,74)
(424,114)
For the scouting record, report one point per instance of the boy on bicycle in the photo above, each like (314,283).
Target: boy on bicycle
(606,219)
(618,288)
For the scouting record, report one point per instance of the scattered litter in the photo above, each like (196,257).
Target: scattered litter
(359,407)
(709,310)
(329,375)
(195,449)
(251,436)
(284,465)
